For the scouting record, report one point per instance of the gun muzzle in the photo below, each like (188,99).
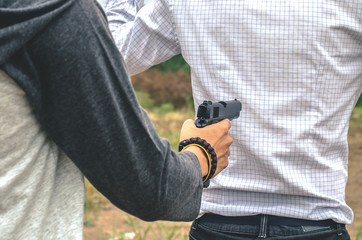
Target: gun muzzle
(212,112)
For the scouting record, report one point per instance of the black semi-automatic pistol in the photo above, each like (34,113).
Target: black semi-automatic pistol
(213,112)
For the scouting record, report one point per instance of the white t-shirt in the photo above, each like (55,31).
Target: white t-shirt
(42,191)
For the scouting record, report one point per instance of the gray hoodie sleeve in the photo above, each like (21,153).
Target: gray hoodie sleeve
(67,63)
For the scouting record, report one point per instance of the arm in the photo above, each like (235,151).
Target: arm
(145,36)
(75,78)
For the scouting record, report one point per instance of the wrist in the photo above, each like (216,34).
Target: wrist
(209,152)
(203,161)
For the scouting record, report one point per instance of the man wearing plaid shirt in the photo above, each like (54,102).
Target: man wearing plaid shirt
(296,66)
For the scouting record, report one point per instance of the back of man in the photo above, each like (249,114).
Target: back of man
(295,65)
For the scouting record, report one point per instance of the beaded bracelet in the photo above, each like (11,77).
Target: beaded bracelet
(209,151)
(208,159)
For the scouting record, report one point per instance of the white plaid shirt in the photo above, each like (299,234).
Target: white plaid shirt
(296,66)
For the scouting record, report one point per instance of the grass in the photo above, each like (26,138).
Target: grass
(130,227)
(359,234)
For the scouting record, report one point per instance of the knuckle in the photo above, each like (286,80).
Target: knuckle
(230,140)
(225,124)
(226,163)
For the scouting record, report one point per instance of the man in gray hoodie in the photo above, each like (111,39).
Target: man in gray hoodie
(67,111)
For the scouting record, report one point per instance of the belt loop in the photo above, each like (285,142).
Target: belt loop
(339,229)
(263,226)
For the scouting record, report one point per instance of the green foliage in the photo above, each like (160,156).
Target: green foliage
(359,102)
(166,83)
(174,64)
(356,119)
(144,100)
(161,108)
(164,108)
(165,87)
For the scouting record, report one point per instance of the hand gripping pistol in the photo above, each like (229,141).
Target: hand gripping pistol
(213,112)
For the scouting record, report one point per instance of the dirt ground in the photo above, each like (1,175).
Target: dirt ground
(354,185)
(112,223)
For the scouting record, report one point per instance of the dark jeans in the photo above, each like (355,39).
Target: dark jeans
(211,228)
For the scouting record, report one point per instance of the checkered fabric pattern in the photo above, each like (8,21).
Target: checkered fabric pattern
(296,66)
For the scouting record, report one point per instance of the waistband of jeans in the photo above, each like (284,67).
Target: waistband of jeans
(270,219)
